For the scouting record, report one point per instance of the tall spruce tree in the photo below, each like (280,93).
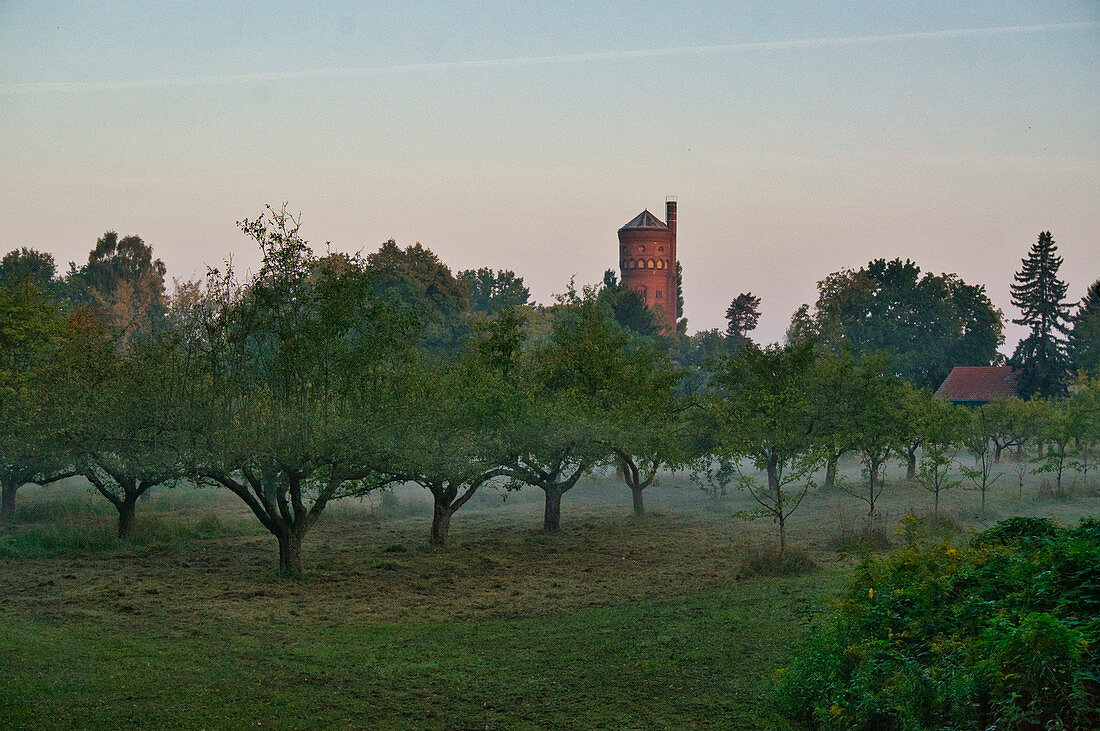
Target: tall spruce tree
(1084,337)
(1037,291)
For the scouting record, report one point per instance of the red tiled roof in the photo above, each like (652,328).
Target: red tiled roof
(978,383)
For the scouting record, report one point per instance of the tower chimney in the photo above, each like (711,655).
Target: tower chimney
(670,218)
(671,287)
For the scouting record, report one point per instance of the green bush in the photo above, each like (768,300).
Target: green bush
(1002,632)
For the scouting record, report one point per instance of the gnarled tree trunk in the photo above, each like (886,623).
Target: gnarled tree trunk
(290,552)
(637,479)
(126,510)
(441,522)
(639,503)
(830,472)
(551,517)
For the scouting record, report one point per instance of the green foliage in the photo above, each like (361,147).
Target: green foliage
(31,328)
(1009,422)
(1002,632)
(490,292)
(417,281)
(979,441)
(115,410)
(290,375)
(1084,417)
(926,323)
(764,411)
(450,425)
(23,265)
(938,427)
(581,392)
(1057,426)
(696,353)
(627,306)
(122,281)
(863,409)
(742,316)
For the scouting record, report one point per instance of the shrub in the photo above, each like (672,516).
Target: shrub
(770,562)
(1002,632)
(860,533)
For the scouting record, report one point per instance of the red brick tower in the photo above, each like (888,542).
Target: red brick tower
(647,262)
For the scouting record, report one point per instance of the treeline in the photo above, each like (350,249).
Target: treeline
(318,378)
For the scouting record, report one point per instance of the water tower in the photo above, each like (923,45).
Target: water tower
(647,262)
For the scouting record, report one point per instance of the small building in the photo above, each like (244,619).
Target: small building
(976,385)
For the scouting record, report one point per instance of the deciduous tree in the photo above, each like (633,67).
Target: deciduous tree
(30,333)
(647,425)
(415,278)
(297,369)
(927,323)
(978,441)
(451,425)
(125,282)
(115,412)
(766,415)
(938,427)
(1057,428)
(490,292)
(878,424)
(27,265)
(572,382)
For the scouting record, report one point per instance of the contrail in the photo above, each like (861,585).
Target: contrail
(81,86)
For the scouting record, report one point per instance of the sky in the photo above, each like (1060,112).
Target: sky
(800,138)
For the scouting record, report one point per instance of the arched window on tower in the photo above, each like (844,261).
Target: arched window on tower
(652,264)
(660,263)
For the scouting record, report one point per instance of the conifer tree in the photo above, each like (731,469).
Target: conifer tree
(1037,291)
(742,316)
(1084,338)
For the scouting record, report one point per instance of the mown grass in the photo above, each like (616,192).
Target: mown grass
(703,660)
(670,621)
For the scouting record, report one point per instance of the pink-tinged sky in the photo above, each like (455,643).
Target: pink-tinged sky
(800,138)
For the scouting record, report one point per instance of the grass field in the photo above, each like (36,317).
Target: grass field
(614,623)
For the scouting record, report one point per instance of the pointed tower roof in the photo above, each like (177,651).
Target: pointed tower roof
(645,219)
